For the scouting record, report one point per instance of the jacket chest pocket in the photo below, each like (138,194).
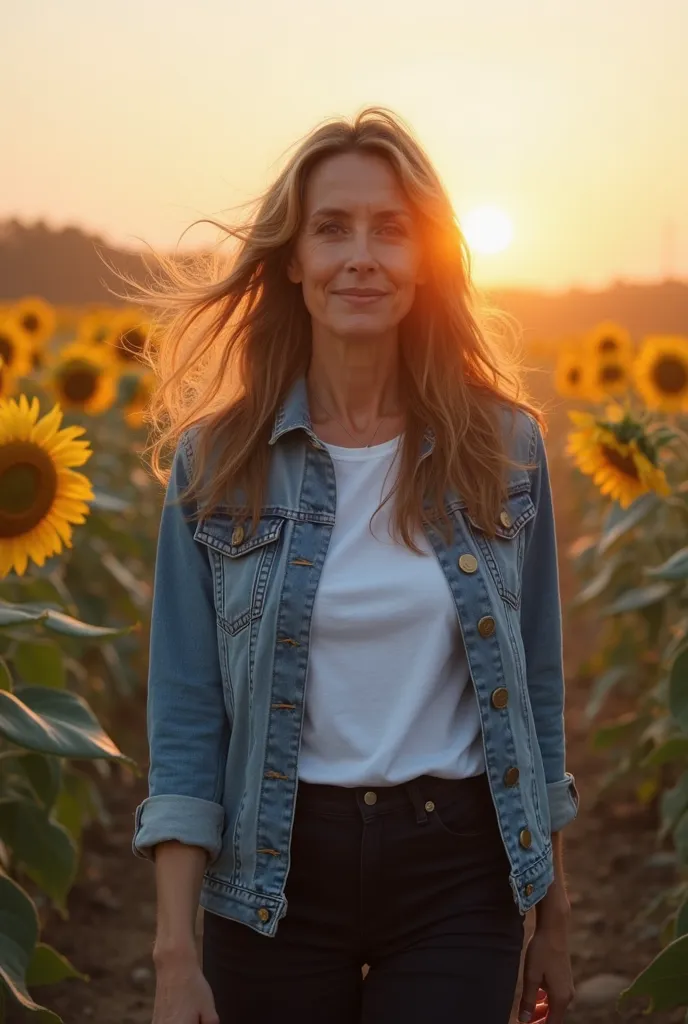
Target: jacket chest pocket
(242,562)
(503,553)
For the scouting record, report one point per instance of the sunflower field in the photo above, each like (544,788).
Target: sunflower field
(78,524)
(76,549)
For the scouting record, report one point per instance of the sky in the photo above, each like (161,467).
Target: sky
(133,119)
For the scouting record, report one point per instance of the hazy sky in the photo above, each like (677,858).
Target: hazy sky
(136,117)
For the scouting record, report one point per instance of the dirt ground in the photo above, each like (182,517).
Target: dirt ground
(613,871)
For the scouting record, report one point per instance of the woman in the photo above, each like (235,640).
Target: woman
(355,703)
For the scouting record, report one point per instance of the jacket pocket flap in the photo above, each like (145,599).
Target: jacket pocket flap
(517,510)
(234,540)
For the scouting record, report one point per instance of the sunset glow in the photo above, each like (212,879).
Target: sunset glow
(488,230)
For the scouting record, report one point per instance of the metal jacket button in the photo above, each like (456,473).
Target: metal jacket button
(505,519)
(528,890)
(500,697)
(525,838)
(237,534)
(264,914)
(486,626)
(511,776)
(468,563)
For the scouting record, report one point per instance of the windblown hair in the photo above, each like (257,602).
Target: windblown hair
(232,334)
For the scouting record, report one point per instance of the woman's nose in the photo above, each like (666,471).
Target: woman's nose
(360,255)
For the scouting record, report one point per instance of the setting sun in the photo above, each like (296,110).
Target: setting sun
(487,229)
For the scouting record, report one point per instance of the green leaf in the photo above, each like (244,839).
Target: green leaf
(675,568)
(40,664)
(678,689)
(54,722)
(601,687)
(58,622)
(681,839)
(624,727)
(665,979)
(18,935)
(596,586)
(44,775)
(79,803)
(41,845)
(641,597)
(47,967)
(682,920)
(673,803)
(620,521)
(103,502)
(5,677)
(673,749)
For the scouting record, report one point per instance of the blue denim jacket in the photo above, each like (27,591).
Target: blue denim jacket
(229,653)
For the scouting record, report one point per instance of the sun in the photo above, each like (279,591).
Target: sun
(488,229)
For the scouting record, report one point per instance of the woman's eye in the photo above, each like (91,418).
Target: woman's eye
(395,229)
(329,228)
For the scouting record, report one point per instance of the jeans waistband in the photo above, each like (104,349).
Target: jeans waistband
(343,799)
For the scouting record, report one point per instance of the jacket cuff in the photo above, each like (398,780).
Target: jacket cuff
(564,801)
(188,819)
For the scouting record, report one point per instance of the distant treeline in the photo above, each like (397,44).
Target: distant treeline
(63,266)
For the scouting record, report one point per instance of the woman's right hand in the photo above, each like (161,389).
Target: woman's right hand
(183,995)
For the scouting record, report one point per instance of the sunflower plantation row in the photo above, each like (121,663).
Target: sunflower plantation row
(74,605)
(632,556)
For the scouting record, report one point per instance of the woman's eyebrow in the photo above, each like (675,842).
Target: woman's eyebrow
(335,211)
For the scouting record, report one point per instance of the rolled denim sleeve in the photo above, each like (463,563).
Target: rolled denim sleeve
(541,629)
(188,728)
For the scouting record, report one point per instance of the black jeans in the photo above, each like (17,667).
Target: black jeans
(413,883)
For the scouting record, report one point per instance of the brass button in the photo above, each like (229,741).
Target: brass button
(237,534)
(525,838)
(505,519)
(264,914)
(468,563)
(500,697)
(370,798)
(486,626)
(511,776)
(429,805)
(528,890)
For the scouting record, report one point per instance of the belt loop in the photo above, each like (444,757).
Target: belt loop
(416,796)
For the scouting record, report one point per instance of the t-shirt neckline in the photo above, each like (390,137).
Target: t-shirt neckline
(376,451)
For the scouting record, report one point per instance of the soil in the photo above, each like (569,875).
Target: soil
(610,877)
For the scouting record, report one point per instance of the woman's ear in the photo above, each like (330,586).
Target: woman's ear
(294,270)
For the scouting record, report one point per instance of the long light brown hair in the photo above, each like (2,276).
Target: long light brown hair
(232,334)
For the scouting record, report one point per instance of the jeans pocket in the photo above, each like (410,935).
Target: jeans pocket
(471,817)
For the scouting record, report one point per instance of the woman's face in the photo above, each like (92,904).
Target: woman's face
(358,253)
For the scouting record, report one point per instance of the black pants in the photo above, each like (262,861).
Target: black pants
(413,883)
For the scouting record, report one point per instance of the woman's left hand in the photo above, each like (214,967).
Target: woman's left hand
(547,966)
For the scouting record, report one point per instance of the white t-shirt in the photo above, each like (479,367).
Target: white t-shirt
(388,691)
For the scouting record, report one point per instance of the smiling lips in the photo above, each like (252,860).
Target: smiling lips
(362,295)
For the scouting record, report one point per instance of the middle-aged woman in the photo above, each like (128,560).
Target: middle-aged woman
(355,704)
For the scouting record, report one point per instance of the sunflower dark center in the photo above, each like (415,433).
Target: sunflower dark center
(28,485)
(608,345)
(670,375)
(6,350)
(611,373)
(131,343)
(624,463)
(574,375)
(78,381)
(30,323)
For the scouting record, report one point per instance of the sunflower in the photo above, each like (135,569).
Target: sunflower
(84,377)
(15,348)
(611,378)
(609,341)
(618,455)
(661,372)
(8,381)
(36,318)
(128,333)
(40,493)
(95,326)
(572,374)
(136,408)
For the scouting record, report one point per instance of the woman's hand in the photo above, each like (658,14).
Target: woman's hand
(182,994)
(547,966)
